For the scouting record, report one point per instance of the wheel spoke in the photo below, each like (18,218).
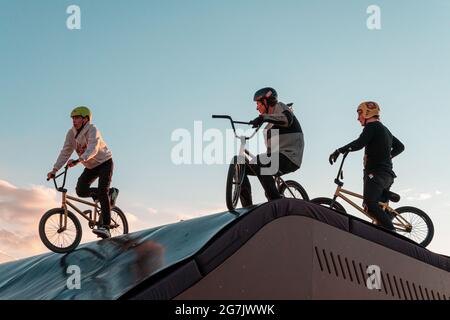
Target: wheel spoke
(419,226)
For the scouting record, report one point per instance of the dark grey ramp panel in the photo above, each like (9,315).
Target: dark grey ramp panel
(231,239)
(394,242)
(296,257)
(182,277)
(275,263)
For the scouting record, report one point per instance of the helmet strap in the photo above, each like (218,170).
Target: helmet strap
(79,130)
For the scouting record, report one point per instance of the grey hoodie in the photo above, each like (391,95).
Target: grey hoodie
(284,134)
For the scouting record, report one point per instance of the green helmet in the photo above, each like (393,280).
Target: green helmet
(81,111)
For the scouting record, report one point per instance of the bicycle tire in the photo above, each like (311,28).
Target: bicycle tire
(413,211)
(296,186)
(326,202)
(123,218)
(234,182)
(44,222)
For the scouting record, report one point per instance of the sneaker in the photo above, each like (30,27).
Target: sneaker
(113,194)
(102,232)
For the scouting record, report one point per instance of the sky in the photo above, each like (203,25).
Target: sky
(148,68)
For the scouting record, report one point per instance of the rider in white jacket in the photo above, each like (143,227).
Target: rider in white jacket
(86,140)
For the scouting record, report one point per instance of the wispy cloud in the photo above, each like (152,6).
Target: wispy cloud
(420,197)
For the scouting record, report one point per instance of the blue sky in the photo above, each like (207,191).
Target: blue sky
(147,68)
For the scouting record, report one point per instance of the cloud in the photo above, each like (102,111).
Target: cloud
(131,217)
(21,208)
(406,191)
(438,193)
(20,212)
(14,246)
(420,197)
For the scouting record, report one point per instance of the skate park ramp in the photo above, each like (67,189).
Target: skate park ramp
(284,249)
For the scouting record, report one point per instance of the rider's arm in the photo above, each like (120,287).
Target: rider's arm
(359,143)
(66,151)
(283,119)
(92,145)
(397,147)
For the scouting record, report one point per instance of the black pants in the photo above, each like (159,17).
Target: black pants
(267,180)
(104,174)
(375,185)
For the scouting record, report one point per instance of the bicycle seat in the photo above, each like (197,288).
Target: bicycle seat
(392,196)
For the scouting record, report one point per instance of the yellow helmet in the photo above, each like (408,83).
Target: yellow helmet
(81,111)
(369,109)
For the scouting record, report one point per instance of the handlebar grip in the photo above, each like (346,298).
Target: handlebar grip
(215,116)
(74,163)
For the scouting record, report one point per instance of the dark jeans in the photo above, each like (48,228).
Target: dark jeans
(267,181)
(104,174)
(375,185)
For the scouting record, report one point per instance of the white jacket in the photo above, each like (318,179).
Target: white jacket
(89,145)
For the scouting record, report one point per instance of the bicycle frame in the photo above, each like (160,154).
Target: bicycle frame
(66,201)
(340,192)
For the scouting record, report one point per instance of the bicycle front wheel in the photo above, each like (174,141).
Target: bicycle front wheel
(329,203)
(421,227)
(53,234)
(234,182)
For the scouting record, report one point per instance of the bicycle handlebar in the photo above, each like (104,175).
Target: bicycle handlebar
(214,116)
(63,173)
(340,174)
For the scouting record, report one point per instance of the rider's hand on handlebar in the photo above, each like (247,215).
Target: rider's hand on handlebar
(72,163)
(333,157)
(51,174)
(257,121)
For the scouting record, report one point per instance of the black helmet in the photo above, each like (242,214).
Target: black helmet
(266,93)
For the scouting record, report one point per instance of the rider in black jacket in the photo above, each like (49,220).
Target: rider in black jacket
(380,147)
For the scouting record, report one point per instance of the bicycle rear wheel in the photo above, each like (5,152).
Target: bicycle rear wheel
(293,189)
(54,237)
(119,223)
(235,177)
(422,228)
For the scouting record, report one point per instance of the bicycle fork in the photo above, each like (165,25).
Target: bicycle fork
(63,219)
